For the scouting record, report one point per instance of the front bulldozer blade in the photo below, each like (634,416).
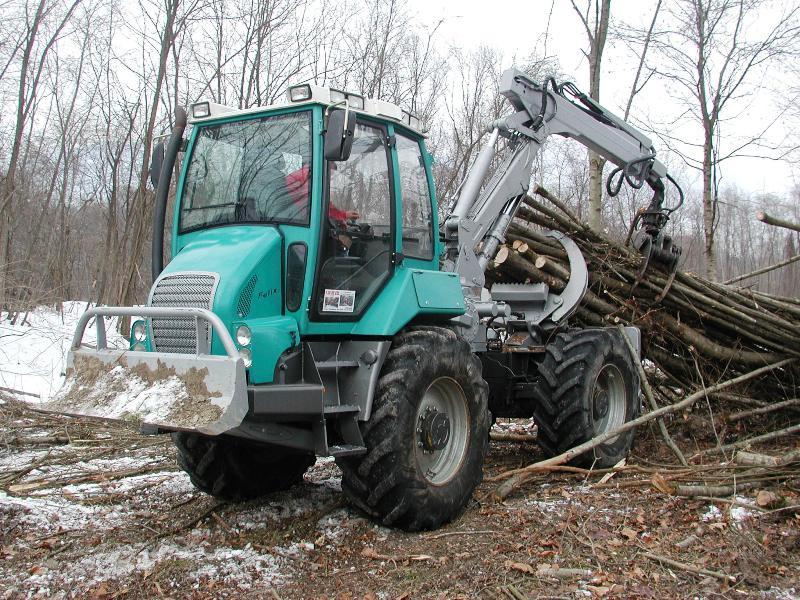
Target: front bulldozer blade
(185,392)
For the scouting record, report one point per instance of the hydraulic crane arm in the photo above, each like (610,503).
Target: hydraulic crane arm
(481,218)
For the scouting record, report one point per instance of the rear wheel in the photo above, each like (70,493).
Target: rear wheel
(588,385)
(427,436)
(235,469)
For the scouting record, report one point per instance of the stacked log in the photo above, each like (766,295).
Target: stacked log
(694,330)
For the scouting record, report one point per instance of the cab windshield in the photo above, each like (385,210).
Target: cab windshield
(254,171)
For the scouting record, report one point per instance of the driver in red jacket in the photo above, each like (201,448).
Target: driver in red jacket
(297,183)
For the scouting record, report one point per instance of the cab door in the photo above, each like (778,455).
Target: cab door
(357,250)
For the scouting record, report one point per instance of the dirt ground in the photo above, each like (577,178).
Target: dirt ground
(98,511)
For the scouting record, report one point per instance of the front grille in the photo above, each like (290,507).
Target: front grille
(178,335)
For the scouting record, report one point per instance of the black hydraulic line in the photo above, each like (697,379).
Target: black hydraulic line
(625,174)
(680,195)
(162,192)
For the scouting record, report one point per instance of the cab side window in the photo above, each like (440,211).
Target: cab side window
(417,222)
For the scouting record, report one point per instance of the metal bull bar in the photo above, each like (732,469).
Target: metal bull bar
(190,392)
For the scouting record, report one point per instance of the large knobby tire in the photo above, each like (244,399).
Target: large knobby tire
(587,386)
(234,469)
(427,436)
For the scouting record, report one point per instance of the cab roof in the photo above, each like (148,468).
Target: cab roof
(307,94)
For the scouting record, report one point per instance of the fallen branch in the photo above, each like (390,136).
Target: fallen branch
(564,469)
(730,502)
(186,525)
(712,491)
(762,410)
(18,392)
(565,573)
(783,263)
(687,567)
(751,459)
(44,440)
(452,533)
(511,437)
(522,476)
(44,482)
(753,440)
(648,392)
(776,222)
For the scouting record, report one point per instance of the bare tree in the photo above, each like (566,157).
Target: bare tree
(471,104)
(715,53)
(40,19)
(641,78)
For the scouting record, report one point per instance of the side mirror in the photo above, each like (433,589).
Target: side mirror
(339,134)
(156,163)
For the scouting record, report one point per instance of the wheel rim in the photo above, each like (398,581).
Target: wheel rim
(442,431)
(608,400)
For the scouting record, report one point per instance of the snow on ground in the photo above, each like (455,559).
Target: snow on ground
(33,352)
(242,566)
(115,525)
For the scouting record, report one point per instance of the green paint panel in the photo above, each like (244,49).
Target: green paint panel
(271,337)
(437,290)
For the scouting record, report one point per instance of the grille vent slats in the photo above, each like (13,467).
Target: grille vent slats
(246,298)
(177,336)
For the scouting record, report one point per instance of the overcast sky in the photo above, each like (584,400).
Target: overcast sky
(518,29)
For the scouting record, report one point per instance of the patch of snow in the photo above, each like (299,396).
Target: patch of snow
(33,353)
(149,481)
(713,513)
(740,513)
(53,513)
(337,525)
(119,393)
(744,510)
(237,565)
(774,593)
(298,501)
(22,460)
(548,506)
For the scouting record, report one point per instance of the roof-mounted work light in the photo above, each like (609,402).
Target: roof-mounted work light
(300,93)
(201,110)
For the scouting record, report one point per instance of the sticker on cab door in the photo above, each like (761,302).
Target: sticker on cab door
(342,301)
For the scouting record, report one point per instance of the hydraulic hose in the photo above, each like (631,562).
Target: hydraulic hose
(162,191)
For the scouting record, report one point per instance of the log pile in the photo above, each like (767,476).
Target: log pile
(700,340)
(695,331)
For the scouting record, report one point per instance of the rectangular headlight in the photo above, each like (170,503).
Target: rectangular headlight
(300,93)
(201,110)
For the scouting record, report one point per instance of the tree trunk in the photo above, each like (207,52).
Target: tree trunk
(596,162)
(709,207)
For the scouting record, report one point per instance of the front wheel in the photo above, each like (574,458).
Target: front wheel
(234,469)
(428,434)
(587,386)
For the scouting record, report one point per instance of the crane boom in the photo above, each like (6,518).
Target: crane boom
(478,221)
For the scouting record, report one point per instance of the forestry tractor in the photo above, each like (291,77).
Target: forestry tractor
(316,305)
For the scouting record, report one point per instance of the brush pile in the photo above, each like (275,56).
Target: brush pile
(695,331)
